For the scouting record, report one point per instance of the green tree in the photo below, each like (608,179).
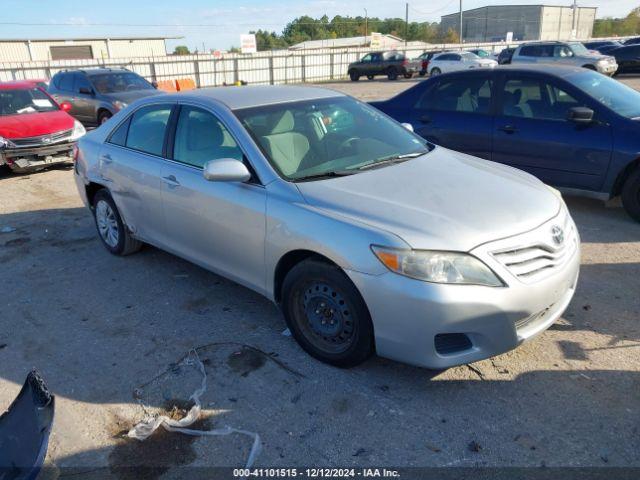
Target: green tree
(181,50)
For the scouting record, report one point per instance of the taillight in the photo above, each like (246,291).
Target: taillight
(405,62)
(425,64)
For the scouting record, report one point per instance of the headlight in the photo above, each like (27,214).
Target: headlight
(5,143)
(78,130)
(119,105)
(437,266)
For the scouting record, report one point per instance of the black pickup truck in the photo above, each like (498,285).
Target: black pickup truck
(392,64)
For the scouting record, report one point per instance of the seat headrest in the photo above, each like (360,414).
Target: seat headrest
(282,122)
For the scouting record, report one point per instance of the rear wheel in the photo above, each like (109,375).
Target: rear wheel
(435,71)
(354,76)
(408,75)
(631,194)
(392,73)
(103,117)
(326,314)
(112,231)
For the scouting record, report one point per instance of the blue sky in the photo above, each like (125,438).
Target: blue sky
(229,17)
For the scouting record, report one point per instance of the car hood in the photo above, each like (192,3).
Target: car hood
(34,124)
(132,95)
(444,200)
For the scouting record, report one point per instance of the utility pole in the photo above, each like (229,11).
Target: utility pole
(574,27)
(460,21)
(366,25)
(406,24)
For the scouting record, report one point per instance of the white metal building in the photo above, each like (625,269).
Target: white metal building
(25,50)
(526,22)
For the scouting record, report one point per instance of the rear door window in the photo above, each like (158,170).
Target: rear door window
(147,129)
(65,83)
(81,82)
(536,99)
(468,94)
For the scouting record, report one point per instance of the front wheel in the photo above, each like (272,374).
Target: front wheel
(111,229)
(435,72)
(631,194)
(326,314)
(354,76)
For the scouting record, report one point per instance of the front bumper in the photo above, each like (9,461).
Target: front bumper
(36,157)
(607,68)
(408,314)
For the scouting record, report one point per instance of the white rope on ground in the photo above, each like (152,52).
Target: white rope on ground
(146,427)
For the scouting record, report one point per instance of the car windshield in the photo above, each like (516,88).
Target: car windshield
(119,82)
(482,53)
(23,101)
(579,49)
(328,137)
(616,95)
(469,56)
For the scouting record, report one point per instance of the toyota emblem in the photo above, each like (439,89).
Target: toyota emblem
(557,234)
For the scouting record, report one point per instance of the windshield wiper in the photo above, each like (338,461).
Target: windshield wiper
(320,176)
(390,160)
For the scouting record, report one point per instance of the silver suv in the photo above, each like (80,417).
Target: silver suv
(564,53)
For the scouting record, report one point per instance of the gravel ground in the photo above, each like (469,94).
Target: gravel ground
(101,329)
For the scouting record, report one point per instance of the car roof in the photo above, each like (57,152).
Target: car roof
(553,70)
(255,96)
(96,71)
(18,84)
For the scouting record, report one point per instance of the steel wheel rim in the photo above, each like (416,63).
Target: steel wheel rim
(107,224)
(327,318)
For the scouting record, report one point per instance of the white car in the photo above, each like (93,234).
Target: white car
(453,61)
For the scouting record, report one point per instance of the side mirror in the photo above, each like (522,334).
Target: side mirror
(226,170)
(85,90)
(65,106)
(408,126)
(581,115)
(154,84)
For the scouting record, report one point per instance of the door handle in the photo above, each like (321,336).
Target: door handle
(171,181)
(508,129)
(106,158)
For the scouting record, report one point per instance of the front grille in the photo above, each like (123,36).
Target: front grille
(530,261)
(42,139)
(448,343)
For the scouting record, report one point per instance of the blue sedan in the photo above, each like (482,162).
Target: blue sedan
(571,127)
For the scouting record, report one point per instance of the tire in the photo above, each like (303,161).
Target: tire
(354,76)
(631,194)
(112,231)
(408,75)
(422,73)
(103,117)
(314,295)
(435,72)
(370,77)
(392,74)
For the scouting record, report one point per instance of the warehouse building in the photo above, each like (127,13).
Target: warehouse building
(26,50)
(526,22)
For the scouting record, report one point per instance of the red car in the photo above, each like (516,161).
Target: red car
(35,132)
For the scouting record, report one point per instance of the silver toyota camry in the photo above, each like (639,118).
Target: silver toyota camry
(369,238)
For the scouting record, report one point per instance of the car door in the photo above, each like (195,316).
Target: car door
(63,90)
(131,163)
(455,112)
(532,132)
(219,225)
(377,64)
(84,99)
